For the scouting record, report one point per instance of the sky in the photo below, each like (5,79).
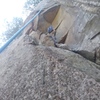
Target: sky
(8,10)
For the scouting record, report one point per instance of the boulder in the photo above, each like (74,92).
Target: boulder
(76,24)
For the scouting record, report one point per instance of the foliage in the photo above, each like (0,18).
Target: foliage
(30,4)
(12,27)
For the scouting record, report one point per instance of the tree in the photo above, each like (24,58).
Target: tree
(12,27)
(15,25)
(30,4)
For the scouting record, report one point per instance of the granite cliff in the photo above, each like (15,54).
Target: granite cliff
(44,72)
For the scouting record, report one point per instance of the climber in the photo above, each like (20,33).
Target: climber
(52,34)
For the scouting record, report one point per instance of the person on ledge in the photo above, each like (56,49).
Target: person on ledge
(52,34)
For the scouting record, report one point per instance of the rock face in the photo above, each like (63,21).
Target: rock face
(76,24)
(47,73)
(86,23)
(77,17)
(41,71)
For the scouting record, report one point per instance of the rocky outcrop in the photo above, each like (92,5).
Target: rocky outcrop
(47,73)
(76,24)
(86,24)
(32,68)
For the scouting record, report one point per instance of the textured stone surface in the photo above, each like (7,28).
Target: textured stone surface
(29,72)
(47,73)
(76,23)
(75,17)
(86,24)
